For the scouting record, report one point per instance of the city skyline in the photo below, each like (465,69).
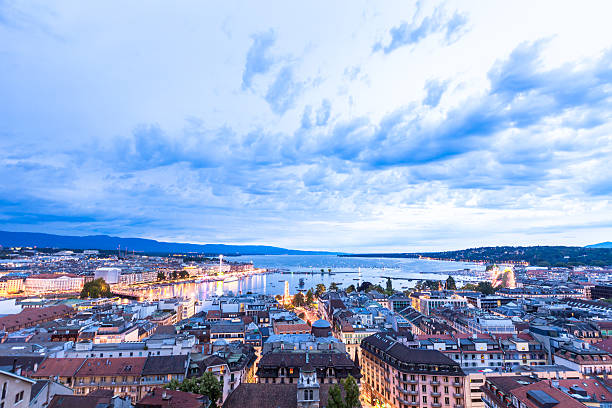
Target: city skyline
(344,127)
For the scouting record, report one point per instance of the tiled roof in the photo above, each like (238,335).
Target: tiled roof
(31,316)
(61,367)
(160,397)
(270,396)
(605,345)
(291,328)
(565,400)
(112,366)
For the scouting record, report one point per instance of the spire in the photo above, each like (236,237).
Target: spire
(308,368)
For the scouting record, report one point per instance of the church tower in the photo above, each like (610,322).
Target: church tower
(308,387)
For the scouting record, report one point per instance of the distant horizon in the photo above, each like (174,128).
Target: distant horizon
(330,251)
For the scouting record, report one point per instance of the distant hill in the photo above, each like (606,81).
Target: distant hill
(606,244)
(105,242)
(558,256)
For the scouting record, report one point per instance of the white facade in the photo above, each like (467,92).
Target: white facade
(110,275)
(47,283)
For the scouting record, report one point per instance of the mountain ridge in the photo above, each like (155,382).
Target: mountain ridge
(107,242)
(607,244)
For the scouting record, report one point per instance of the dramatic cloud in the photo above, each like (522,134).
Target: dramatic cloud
(296,134)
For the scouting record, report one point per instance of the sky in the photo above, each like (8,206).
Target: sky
(348,125)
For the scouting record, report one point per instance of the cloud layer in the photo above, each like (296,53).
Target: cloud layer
(260,130)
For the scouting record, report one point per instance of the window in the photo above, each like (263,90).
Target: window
(19,397)
(424,399)
(424,388)
(4,391)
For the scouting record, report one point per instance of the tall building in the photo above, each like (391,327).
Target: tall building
(397,376)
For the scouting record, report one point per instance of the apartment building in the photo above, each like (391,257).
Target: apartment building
(15,390)
(401,377)
(584,358)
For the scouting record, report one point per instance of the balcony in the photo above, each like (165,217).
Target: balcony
(457,383)
(458,406)
(436,405)
(434,382)
(456,395)
(435,394)
(407,381)
(403,401)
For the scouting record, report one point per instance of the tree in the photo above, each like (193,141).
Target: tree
(486,288)
(184,274)
(350,289)
(418,286)
(298,300)
(207,385)
(389,286)
(450,283)
(96,289)
(320,289)
(351,392)
(161,276)
(364,286)
(333,287)
(335,397)
(174,274)
(377,288)
(309,297)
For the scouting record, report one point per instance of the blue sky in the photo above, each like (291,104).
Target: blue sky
(355,126)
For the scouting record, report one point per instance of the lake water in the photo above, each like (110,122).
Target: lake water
(293,268)
(344,271)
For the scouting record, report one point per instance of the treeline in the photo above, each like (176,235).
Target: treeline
(546,256)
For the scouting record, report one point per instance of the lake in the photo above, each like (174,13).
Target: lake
(293,268)
(344,271)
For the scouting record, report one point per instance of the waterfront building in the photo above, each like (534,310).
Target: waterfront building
(10,285)
(398,376)
(53,283)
